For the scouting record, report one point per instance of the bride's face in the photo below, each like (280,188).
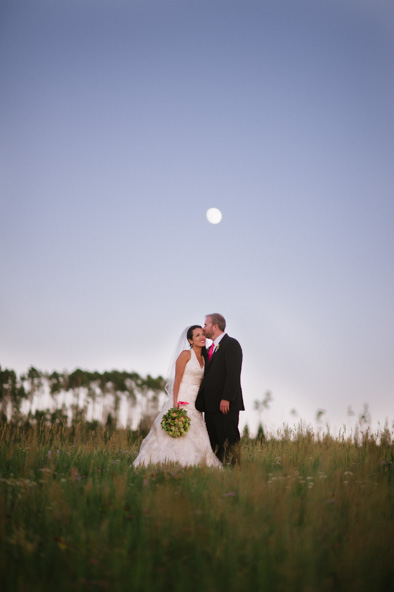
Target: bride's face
(198,338)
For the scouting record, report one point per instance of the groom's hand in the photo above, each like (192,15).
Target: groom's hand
(224,406)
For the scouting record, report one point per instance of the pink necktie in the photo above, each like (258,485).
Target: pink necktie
(210,351)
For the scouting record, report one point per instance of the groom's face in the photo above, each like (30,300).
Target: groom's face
(208,328)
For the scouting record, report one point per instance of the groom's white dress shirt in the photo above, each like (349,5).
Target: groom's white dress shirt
(217,341)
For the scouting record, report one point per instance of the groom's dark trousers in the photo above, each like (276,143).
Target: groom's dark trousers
(222,380)
(223,434)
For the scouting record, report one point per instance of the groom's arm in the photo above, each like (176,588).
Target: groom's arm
(233,365)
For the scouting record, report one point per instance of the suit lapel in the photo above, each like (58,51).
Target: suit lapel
(221,343)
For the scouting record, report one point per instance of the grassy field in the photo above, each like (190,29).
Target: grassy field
(301,514)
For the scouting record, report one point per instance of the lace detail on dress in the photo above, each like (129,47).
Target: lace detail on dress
(194,447)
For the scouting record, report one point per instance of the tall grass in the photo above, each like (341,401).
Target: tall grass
(302,513)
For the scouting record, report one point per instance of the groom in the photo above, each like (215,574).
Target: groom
(220,394)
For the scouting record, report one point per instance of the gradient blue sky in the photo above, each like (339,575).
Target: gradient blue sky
(122,122)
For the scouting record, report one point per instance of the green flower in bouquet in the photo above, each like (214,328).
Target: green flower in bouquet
(176,422)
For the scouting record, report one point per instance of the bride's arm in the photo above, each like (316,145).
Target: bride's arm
(180,365)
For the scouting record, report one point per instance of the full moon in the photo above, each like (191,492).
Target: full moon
(214,215)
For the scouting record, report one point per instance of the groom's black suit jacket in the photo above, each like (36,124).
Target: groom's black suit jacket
(222,378)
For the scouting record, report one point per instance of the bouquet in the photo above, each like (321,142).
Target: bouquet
(176,422)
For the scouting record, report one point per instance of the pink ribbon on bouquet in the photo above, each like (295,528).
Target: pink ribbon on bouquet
(182,403)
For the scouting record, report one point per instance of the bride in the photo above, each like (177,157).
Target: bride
(186,373)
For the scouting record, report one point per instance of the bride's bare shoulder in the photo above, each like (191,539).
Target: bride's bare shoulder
(182,360)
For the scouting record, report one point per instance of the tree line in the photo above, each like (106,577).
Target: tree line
(105,390)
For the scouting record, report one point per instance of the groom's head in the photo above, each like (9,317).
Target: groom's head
(214,325)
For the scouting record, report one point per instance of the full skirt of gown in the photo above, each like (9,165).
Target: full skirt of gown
(191,449)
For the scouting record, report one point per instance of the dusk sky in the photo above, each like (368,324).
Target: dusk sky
(122,122)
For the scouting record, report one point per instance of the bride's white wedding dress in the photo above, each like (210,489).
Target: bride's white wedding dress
(193,448)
